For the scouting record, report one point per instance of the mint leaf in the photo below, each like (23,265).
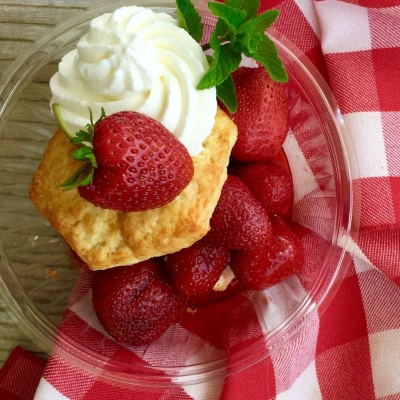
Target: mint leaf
(222,30)
(249,6)
(260,23)
(225,61)
(189,19)
(239,30)
(210,59)
(232,16)
(226,93)
(234,3)
(248,41)
(252,32)
(215,43)
(267,55)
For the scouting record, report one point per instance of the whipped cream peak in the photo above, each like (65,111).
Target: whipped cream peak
(141,60)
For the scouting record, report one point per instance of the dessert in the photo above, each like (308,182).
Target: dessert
(106,238)
(144,77)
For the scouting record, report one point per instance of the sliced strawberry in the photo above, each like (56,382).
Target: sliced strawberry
(239,221)
(262,116)
(195,270)
(271,183)
(136,304)
(266,266)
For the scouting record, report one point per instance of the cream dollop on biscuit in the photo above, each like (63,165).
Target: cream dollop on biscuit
(141,60)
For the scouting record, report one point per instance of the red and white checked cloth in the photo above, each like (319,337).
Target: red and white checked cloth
(352,350)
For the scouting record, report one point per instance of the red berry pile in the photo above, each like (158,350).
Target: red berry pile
(250,229)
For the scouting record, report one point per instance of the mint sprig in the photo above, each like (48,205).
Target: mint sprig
(239,30)
(84,153)
(189,19)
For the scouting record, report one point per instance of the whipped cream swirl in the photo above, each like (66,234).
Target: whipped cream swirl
(137,59)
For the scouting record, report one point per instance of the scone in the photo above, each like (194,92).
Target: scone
(106,238)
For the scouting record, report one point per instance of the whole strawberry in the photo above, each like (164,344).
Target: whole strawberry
(135,164)
(239,221)
(196,269)
(271,183)
(136,304)
(281,257)
(262,115)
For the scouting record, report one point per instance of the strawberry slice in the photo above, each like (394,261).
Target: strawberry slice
(196,269)
(262,116)
(136,304)
(271,183)
(239,221)
(266,266)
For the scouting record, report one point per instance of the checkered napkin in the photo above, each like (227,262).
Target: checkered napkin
(352,349)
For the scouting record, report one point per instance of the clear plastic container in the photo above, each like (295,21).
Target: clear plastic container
(38,274)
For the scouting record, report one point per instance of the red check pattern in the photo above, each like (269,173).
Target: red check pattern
(351,350)
(20,365)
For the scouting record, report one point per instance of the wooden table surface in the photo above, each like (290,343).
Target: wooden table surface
(21,23)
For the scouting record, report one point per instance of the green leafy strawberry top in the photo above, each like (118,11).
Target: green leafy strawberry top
(84,153)
(239,30)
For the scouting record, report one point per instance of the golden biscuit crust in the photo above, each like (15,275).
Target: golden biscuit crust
(108,238)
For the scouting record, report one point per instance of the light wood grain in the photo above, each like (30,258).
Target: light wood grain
(22,22)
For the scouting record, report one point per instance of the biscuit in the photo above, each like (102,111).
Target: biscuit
(107,238)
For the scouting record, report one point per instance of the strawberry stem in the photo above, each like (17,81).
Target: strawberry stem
(60,120)
(84,152)
(82,177)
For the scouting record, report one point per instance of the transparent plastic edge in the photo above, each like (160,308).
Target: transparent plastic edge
(195,375)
